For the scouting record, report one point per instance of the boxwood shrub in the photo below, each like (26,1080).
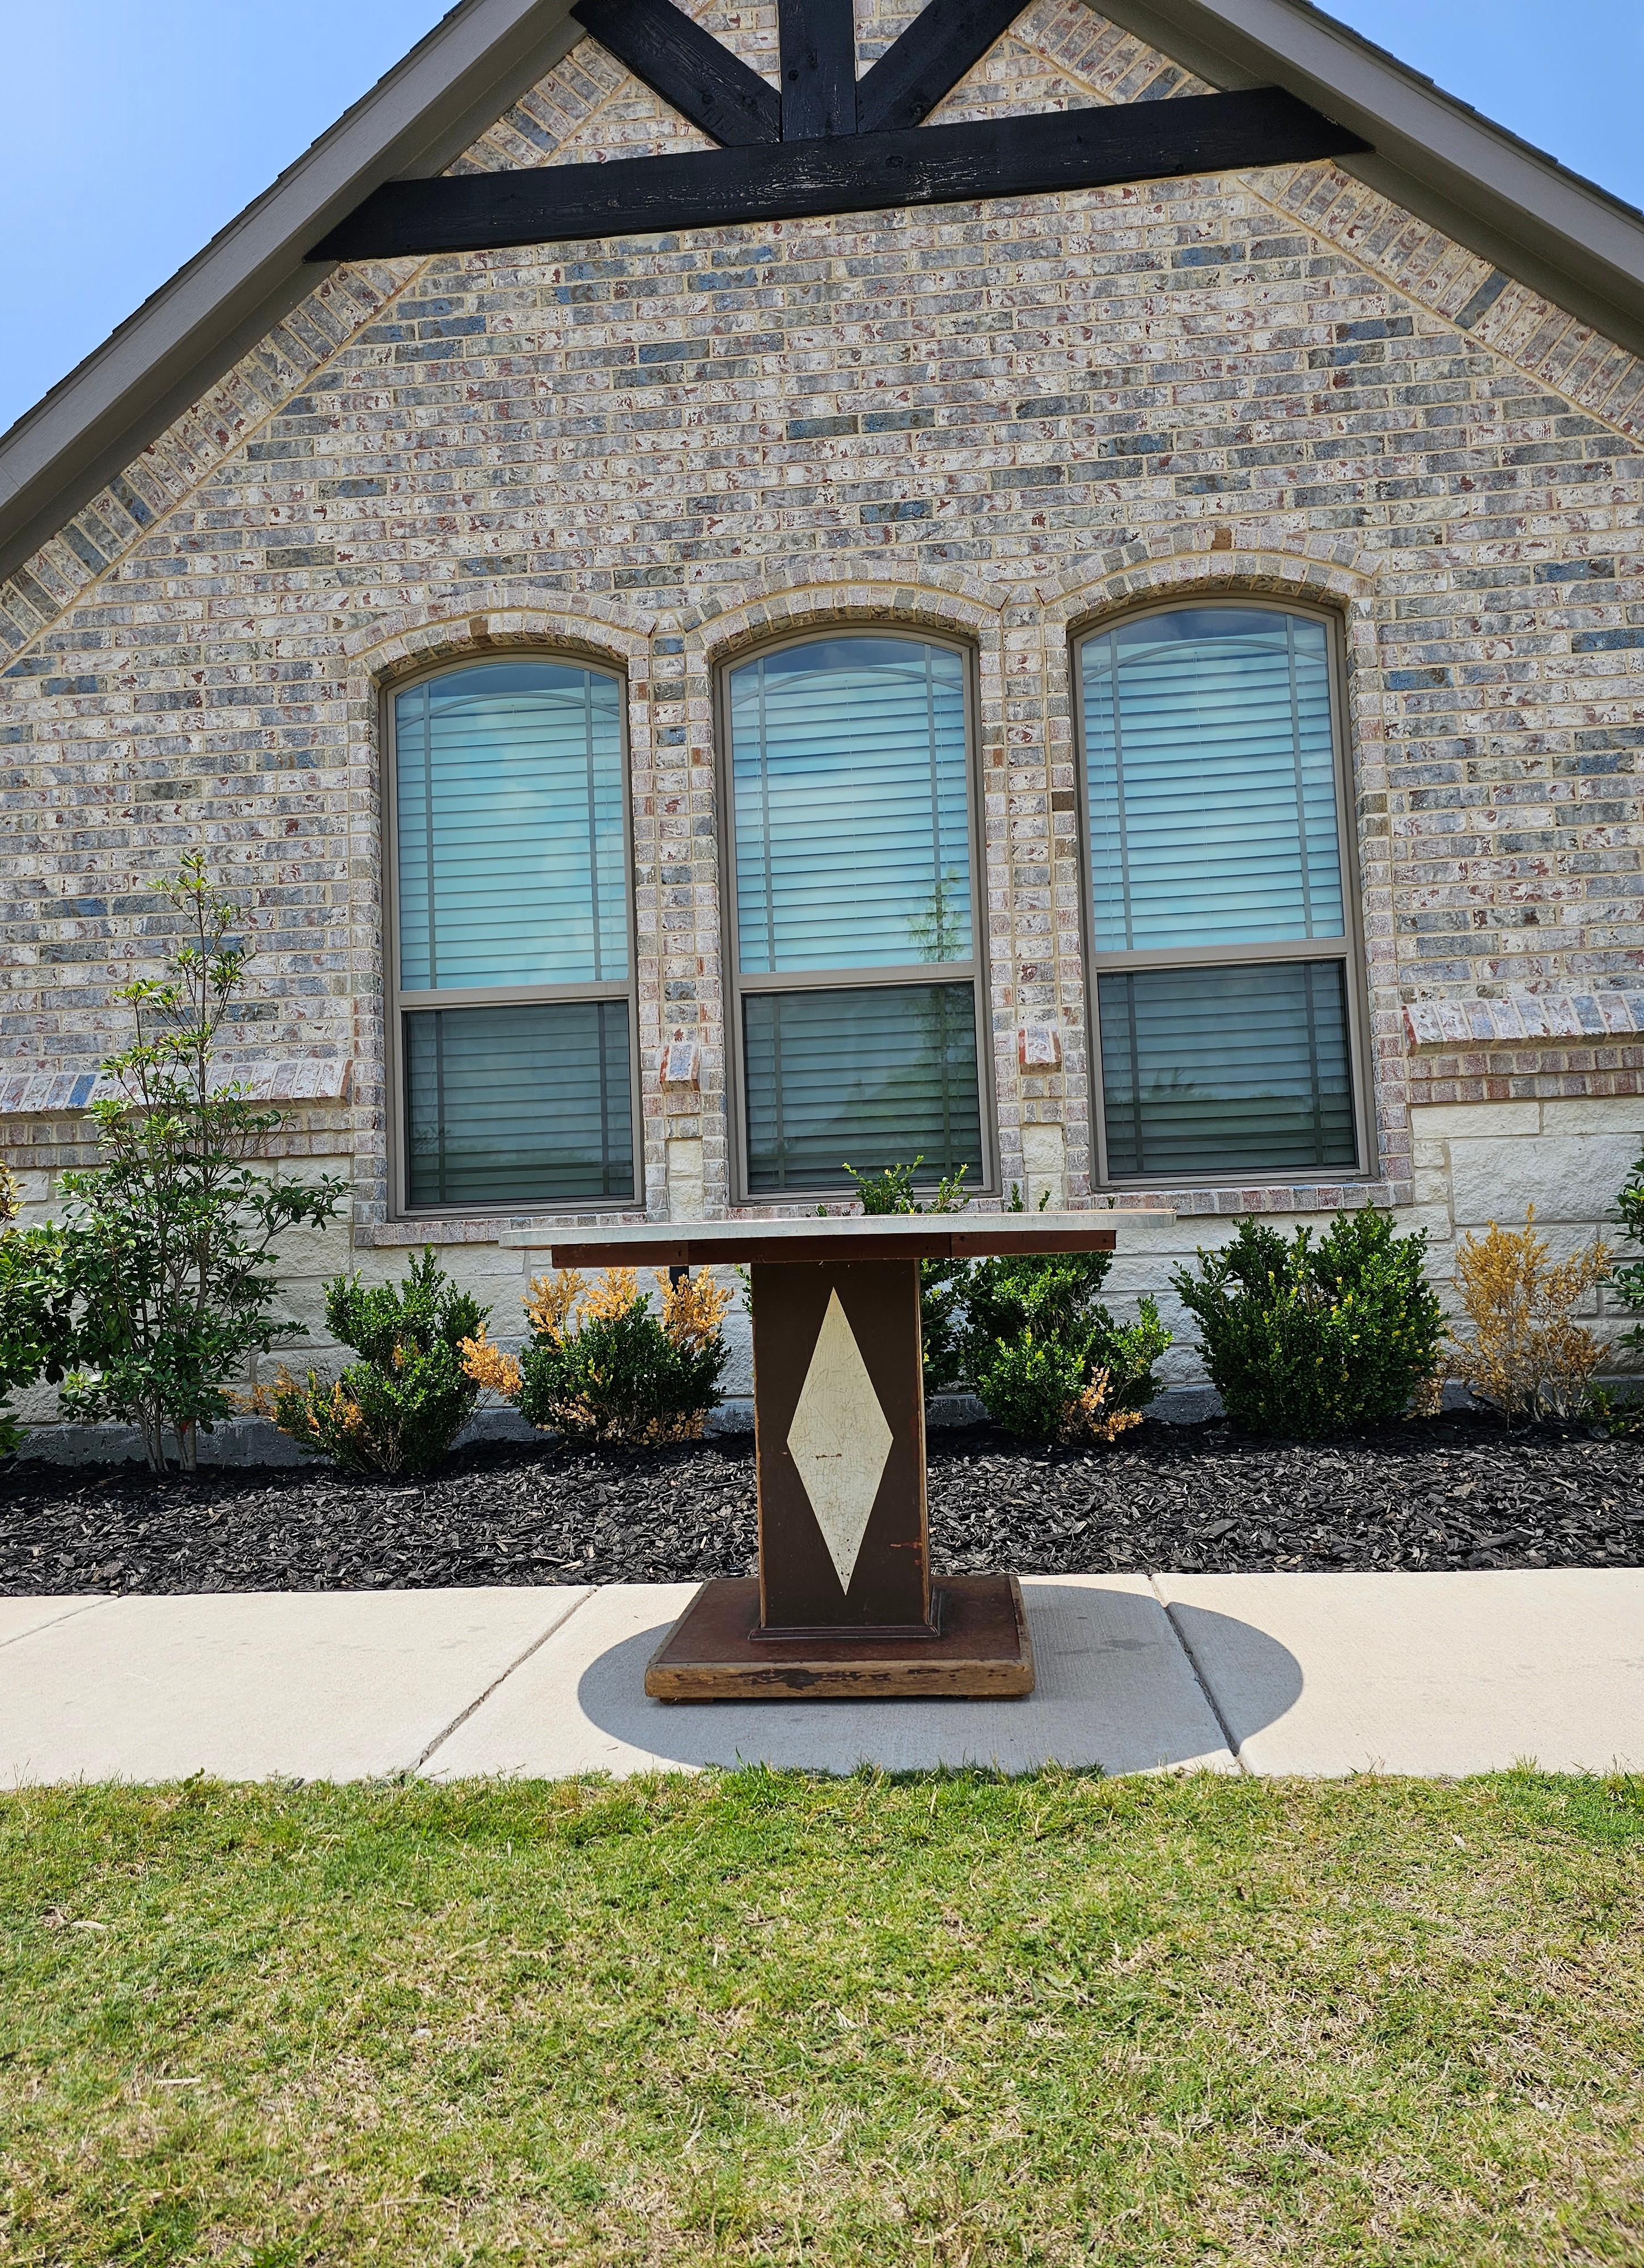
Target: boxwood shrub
(1304,1337)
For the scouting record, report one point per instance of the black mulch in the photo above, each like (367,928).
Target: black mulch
(1452,1491)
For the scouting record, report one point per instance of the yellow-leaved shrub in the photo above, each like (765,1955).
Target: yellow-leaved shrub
(603,1366)
(1528,1356)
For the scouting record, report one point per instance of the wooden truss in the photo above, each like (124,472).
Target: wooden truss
(826,142)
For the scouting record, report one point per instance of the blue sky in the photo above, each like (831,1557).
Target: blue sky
(135,129)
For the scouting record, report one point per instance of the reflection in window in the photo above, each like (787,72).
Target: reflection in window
(512,865)
(518,1106)
(1210,774)
(866,1077)
(852,806)
(850,790)
(1246,1067)
(513,936)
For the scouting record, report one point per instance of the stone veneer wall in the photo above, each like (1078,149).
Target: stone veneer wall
(1007,420)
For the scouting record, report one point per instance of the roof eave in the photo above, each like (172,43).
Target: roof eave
(1514,206)
(430,108)
(1568,239)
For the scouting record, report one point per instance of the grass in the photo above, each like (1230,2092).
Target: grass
(765,2018)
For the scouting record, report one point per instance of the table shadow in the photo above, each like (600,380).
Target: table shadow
(1114,1691)
(1251,1680)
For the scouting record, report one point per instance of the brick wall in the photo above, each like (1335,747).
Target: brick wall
(1007,420)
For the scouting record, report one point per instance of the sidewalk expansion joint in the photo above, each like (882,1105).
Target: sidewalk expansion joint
(39,1630)
(1199,1679)
(501,1678)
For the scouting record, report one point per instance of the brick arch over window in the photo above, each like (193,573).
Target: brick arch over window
(1245,556)
(967,609)
(417,637)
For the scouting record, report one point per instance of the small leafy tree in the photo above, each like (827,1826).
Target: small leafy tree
(399,1408)
(1048,1361)
(34,1324)
(941,1282)
(167,1250)
(1528,1356)
(612,1369)
(1305,1339)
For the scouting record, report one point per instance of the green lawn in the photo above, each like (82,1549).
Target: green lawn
(765,2018)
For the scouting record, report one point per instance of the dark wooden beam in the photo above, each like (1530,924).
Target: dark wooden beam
(930,58)
(819,47)
(864,172)
(687,67)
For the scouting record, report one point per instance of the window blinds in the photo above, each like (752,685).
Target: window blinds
(866,1077)
(1227,1069)
(512,866)
(850,786)
(1211,776)
(512,874)
(849,767)
(522,1105)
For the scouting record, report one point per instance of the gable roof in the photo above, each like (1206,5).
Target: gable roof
(1564,236)
(472,67)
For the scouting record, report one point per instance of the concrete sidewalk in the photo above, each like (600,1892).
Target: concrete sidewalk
(1319,1675)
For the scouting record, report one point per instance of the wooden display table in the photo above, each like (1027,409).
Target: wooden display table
(843,1606)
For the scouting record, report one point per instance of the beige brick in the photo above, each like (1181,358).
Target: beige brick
(1594,1114)
(1470,1121)
(685,1170)
(1044,1160)
(1567,1178)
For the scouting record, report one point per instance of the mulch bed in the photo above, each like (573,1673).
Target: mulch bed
(1451,1491)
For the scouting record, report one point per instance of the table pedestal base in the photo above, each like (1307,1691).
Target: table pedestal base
(716,1652)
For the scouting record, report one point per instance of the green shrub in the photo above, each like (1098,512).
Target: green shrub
(1621,1415)
(36,1334)
(1628,1282)
(941,1282)
(399,1408)
(1045,1356)
(166,1251)
(1303,1339)
(615,1372)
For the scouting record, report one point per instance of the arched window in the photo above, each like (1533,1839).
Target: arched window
(512,949)
(854,953)
(1225,983)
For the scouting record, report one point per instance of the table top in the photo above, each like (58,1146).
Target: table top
(818,1242)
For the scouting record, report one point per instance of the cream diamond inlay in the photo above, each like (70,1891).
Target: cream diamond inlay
(840,1439)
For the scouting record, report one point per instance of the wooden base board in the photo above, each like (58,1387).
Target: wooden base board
(712,1654)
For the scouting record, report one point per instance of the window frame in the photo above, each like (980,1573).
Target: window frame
(972,971)
(398,1002)
(1347,950)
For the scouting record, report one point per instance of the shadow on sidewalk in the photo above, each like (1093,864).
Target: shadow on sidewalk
(1116,1690)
